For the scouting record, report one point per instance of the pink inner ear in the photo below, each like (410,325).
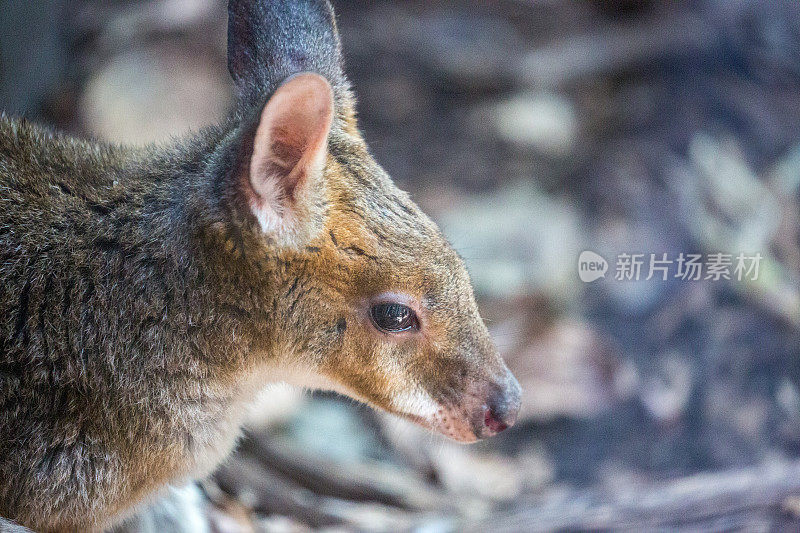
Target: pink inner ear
(291,139)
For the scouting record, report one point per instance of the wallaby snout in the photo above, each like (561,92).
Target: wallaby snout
(502,407)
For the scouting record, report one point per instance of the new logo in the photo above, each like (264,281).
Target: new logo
(591,266)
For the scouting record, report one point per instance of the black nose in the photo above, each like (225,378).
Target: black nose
(501,408)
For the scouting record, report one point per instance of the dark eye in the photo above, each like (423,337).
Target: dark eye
(393,317)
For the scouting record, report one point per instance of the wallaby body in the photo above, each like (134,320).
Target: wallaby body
(149,294)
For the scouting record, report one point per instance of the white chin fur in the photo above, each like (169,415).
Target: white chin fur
(415,403)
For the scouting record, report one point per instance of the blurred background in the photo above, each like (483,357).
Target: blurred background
(531,130)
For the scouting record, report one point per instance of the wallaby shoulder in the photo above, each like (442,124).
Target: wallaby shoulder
(35,156)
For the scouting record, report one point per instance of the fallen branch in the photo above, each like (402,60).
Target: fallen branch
(264,493)
(613,49)
(358,482)
(747,499)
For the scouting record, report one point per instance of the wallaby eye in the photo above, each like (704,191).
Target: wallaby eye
(393,317)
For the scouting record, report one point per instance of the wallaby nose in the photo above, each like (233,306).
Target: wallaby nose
(501,408)
(494,422)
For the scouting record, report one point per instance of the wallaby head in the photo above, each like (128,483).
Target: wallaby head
(374,303)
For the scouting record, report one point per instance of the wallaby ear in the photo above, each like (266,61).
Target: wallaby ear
(269,40)
(284,176)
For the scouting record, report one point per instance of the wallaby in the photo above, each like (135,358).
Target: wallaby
(149,294)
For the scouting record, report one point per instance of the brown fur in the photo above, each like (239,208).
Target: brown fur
(143,308)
